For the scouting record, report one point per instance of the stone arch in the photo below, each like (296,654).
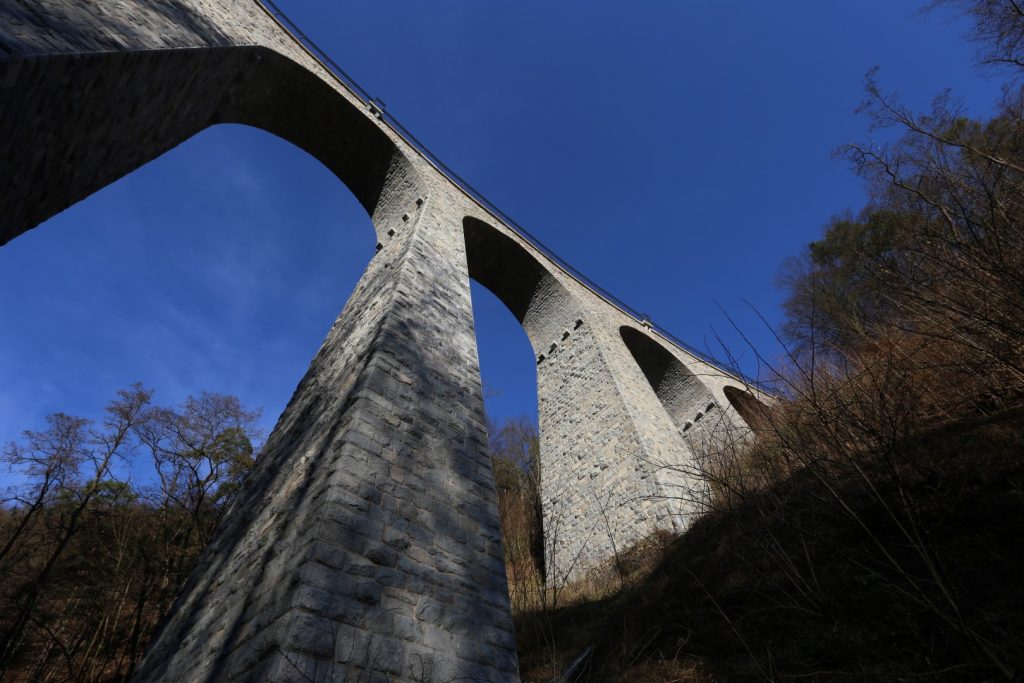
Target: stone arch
(541,304)
(80,142)
(552,320)
(312,511)
(683,396)
(753,411)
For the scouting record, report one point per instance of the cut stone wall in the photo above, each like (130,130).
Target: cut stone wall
(366,540)
(365,544)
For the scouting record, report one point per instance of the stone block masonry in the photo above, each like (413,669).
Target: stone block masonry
(365,544)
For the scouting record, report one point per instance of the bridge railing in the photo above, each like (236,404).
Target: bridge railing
(388,118)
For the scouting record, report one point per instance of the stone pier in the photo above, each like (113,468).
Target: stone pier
(365,544)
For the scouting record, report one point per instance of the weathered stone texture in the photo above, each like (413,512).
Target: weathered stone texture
(366,538)
(365,544)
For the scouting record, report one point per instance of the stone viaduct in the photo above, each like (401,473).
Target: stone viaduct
(366,542)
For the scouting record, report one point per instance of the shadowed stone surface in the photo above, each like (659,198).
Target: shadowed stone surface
(365,544)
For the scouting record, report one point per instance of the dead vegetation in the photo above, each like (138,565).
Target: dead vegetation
(89,560)
(793,582)
(874,529)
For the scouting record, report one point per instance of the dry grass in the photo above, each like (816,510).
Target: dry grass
(790,585)
(874,530)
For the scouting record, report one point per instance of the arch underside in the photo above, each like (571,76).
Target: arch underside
(521,281)
(319,555)
(87,120)
(684,397)
(753,411)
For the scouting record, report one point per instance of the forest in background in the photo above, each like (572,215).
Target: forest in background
(92,554)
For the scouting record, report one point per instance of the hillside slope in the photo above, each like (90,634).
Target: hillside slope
(793,585)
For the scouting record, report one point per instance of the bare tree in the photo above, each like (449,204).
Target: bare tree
(86,452)
(89,562)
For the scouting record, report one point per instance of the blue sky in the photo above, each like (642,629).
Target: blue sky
(675,152)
